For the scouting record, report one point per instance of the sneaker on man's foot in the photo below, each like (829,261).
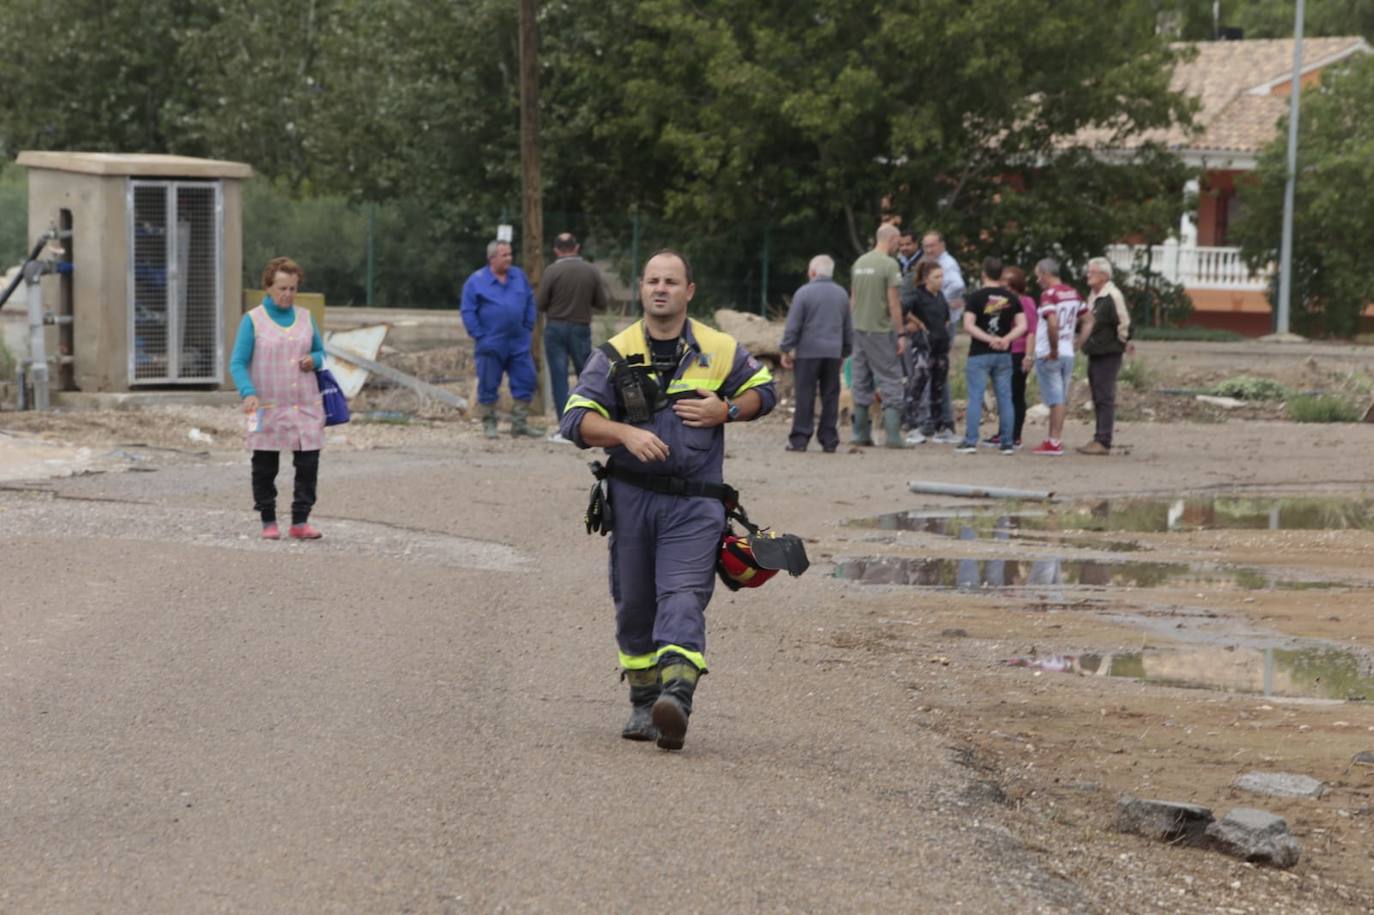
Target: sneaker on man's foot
(304,532)
(914,437)
(1006,451)
(1094,448)
(966,448)
(993,441)
(1049,448)
(944,437)
(270,531)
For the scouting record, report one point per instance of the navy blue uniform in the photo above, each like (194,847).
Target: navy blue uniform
(664,547)
(499,318)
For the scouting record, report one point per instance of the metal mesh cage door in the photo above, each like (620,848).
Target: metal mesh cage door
(175,292)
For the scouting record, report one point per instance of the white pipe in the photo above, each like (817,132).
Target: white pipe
(979,492)
(38,356)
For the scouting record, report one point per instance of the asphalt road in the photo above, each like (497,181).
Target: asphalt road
(421,713)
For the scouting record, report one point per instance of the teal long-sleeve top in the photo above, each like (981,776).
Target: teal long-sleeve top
(243,346)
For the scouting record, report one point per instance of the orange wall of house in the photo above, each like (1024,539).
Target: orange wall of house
(1230,300)
(1308,81)
(1215,184)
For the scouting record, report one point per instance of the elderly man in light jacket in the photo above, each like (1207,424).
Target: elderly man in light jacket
(1104,337)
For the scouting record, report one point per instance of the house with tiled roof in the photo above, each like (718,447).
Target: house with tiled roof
(1242,89)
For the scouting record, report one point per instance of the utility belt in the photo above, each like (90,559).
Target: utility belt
(744,561)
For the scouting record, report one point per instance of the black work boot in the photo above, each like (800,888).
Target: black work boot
(643,693)
(678,677)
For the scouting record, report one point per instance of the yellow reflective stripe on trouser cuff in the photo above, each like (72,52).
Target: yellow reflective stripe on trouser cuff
(638,661)
(575,400)
(695,657)
(762,376)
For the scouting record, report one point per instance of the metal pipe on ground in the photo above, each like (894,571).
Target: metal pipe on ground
(979,492)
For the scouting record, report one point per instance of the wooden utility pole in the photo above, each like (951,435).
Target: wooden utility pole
(532,202)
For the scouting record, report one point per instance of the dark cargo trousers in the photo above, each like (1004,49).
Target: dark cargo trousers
(1102,372)
(663,569)
(810,374)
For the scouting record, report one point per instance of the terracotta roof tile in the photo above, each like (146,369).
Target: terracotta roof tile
(1222,76)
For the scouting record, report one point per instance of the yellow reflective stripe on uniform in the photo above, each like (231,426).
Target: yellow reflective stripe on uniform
(686,385)
(638,661)
(696,657)
(761,377)
(577,400)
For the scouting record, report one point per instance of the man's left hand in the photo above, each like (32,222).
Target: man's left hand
(702,412)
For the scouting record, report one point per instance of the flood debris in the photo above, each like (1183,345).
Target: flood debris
(979,492)
(1256,836)
(1279,784)
(1166,821)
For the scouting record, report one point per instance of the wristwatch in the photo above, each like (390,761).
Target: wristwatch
(731,410)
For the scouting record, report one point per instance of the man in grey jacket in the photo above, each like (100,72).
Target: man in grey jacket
(817,339)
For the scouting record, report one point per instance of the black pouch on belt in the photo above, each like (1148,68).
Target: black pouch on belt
(600,517)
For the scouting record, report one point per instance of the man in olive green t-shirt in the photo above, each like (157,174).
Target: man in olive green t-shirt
(878,339)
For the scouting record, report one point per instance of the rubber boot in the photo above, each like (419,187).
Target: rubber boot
(863,426)
(678,679)
(644,690)
(892,425)
(520,423)
(489,420)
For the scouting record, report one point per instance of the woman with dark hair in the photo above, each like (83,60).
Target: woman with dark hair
(927,311)
(1022,362)
(276,355)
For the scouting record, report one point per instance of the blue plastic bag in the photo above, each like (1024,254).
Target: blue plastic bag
(335,404)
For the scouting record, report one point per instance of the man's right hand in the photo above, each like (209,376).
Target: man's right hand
(643,444)
(901,344)
(250,404)
(788,361)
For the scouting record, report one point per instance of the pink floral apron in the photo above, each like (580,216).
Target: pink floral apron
(292,413)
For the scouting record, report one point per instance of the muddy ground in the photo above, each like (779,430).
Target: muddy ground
(1007,672)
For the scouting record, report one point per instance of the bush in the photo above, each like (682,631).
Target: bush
(1137,374)
(7,366)
(1246,387)
(1323,408)
(1203,334)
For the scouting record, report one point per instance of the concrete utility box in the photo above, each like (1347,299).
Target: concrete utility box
(157,266)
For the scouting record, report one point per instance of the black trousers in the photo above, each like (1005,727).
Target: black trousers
(265,465)
(926,382)
(809,375)
(1102,372)
(1018,393)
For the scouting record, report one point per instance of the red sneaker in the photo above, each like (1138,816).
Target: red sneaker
(1049,448)
(271,531)
(304,532)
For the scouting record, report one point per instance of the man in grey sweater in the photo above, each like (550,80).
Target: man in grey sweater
(817,339)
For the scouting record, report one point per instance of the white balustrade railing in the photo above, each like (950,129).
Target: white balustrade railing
(1191,266)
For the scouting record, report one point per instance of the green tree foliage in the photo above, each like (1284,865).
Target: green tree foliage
(1333,228)
(741,130)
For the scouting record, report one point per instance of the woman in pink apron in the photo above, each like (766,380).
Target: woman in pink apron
(276,354)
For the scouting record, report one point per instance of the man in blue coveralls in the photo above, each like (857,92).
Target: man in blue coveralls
(498,312)
(666,533)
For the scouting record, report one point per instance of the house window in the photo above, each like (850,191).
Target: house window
(1227,209)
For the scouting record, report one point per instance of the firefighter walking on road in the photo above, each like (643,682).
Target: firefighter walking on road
(657,397)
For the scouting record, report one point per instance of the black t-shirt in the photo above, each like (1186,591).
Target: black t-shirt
(994,309)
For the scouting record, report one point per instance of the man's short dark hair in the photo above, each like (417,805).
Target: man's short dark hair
(565,242)
(992,268)
(669,252)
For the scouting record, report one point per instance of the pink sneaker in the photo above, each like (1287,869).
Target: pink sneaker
(304,532)
(1049,448)
(271,531)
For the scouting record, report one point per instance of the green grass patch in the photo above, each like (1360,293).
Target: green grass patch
(958,381)
(1203,334)
(1323,408)
(6,363)
(1248,387)
(1136,373)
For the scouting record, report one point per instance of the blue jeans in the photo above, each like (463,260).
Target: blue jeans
(978,370)
(565,344)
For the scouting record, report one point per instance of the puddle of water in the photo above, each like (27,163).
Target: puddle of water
(1140,516)
(978,574)
(1313,673)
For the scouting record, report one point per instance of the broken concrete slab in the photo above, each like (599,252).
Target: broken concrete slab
(1168,821)
(1365,758)
(1256,836)
(1279,784)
